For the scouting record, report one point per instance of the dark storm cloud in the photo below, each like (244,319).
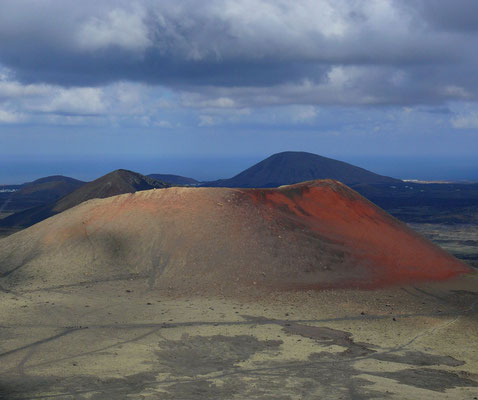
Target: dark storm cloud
(301,52)
(452,16)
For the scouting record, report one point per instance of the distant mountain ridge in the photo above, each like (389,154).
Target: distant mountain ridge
(53,178)
(51,186)
(37,193)
(174,179)
(292,167)
(117,182)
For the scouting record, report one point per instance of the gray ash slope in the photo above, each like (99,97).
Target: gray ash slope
(292,167)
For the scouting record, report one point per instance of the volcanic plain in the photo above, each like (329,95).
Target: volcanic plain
(308,291)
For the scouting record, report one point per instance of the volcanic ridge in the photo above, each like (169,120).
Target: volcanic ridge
(313,235)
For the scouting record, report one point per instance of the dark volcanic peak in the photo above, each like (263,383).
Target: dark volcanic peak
(175,179)
(117,182)
(292,167)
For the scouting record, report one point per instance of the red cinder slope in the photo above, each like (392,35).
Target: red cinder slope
(391,251)
(318,234)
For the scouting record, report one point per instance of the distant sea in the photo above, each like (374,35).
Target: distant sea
(20,169)
(426,168)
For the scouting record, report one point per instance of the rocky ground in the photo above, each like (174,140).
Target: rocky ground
(121,340)
(461,240)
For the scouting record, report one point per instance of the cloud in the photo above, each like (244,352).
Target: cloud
(73,101)
(9,90)
(207,120)
(164,124)
(375,52)
(304,114)
(45,98)
(451,16)
(249,63)
(221,102)
(117,28)
(466,121)
(10,117)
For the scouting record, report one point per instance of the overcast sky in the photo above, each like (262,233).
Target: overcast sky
(241,79)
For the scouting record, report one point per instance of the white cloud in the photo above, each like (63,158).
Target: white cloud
(12,89)
(196,100)
(343,85)
(206,120)
(327,17)
(74,101)
(128,98)
(457,92)
(42,98)
(221,102)
(10,117)
(304,114)
(164,124)
(71,120)
(123,28)
(466,121)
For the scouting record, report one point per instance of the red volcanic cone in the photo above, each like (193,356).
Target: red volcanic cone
(384,249)
(317,234)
